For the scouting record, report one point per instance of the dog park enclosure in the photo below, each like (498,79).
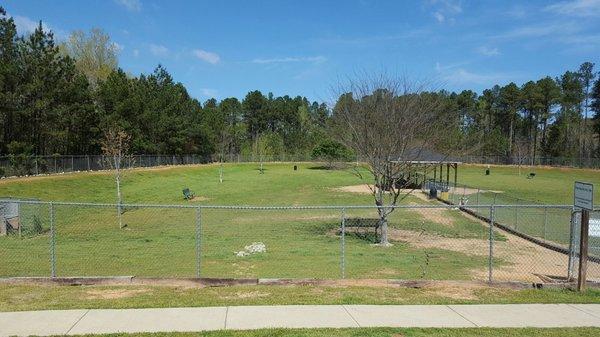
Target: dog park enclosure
(430,242)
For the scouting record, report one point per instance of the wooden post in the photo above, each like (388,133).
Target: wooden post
(455,176)
(583,249)
(448,175)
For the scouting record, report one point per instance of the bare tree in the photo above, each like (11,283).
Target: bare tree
(521,152)
(115,146)
(224,144)
(388,123)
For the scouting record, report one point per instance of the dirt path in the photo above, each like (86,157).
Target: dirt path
(518,259)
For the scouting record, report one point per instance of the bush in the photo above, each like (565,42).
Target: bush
(331,151)
(20,158)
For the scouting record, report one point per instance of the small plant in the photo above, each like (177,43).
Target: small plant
(425,265)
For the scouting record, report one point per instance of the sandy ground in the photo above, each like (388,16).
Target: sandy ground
(518,259)
(365,189)
(521,260)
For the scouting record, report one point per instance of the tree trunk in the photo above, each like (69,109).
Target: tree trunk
(383,238)
(510,140)
(221,172)
(119,199)
(117,163)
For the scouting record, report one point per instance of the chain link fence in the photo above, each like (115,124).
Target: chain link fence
(593,265)
(531,161)
(433,242)
(22,165)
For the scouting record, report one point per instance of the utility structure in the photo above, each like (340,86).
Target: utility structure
(425,163)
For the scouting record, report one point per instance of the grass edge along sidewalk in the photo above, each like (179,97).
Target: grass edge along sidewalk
(23,297)
(382,332)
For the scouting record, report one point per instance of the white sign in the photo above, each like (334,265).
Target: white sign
(583,196)
(594,227)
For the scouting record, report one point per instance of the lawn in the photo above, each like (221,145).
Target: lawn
(383,332)
(299,243)
(23,297)
(162,241)
(549,186)
(280,185)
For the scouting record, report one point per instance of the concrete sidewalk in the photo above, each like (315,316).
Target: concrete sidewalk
(73,322)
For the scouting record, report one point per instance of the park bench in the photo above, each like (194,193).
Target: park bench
(366,228)
(188,194)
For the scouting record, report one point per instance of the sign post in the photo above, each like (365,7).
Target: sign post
(583,198)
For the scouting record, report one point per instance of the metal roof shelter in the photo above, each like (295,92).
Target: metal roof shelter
(429,159)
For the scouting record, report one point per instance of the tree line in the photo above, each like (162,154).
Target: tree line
(63,98)
(550,117)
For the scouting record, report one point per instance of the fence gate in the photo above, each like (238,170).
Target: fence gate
(593,265)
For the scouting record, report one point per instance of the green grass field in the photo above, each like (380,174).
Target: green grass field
(22,297)
(300,243)
(161,241)
(550,185)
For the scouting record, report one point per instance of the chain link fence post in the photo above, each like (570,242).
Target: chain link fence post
(572,245)
(491,253)
(545,221)
(516,215)
(52,242)
(198,238)
(343,243)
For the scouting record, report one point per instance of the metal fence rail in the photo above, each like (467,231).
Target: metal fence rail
(21,165)
(438,242)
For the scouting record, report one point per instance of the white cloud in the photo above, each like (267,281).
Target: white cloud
(159,50)
(445,10)
(310,59)
(207,92)
(407,34)
(541,30)
(26,25)
(576,8)
(136,53)
(130,5)
(463,76)
(207,56)
(487,51)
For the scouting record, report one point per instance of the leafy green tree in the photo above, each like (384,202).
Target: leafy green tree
(586,75)
(565,135)
(550,96)
(532,107)
(510,99)
(9,80)
(94,53)
(331,151)
(234,128)
(595,106)
(255,112)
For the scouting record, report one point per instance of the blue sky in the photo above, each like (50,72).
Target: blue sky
(227,48)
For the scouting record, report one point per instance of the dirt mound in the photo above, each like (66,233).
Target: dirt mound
(111,294)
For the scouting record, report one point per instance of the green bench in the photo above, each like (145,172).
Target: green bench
(188,194)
